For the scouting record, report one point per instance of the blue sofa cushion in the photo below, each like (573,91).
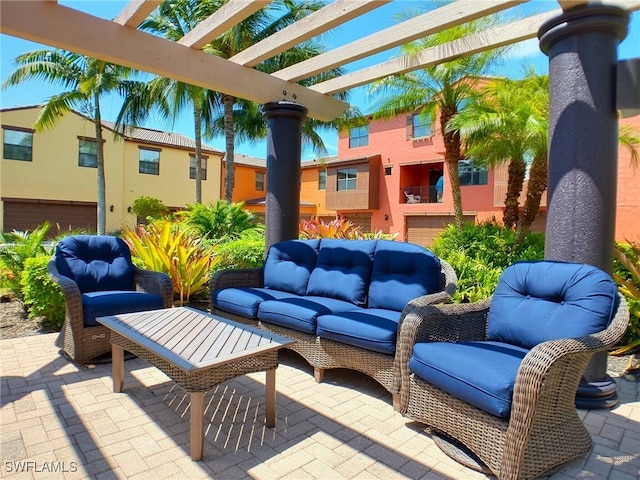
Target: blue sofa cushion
(300,313)
(289,265)
(372,329)
(480,373)
(539,301)
(114,302)
(343,270)
(245,301)
(95,262)
(401,272)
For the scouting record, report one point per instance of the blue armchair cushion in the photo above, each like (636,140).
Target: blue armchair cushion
(95,262)
(289,264)
(401,272)
(539,301)
(482,374)
(245,301)
(343,270)
(300,313)
(373,329)
(114,302)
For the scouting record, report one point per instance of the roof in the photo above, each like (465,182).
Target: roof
(119,41)
(242,159)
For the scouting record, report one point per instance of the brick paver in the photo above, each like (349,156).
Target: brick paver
(62,421)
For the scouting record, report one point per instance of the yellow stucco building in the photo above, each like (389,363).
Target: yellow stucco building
(51,175)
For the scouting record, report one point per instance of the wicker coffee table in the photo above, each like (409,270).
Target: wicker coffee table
(197,351)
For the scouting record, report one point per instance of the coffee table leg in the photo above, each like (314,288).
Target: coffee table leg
(197,431)
(117,367)
(270,401)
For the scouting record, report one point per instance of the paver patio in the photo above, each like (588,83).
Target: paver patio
(62,421)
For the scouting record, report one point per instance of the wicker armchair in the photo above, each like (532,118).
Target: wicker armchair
(541,430)
(80,265)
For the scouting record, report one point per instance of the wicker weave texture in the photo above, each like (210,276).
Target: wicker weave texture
(544,429)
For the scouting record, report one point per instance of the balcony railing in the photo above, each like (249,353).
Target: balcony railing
(421,195)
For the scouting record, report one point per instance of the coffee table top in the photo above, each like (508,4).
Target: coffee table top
(193,340)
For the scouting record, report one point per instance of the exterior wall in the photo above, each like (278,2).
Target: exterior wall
(628,194)
(245,182)
(310,193)
(53,175)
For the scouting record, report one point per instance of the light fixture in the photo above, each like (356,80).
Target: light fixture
(129,209)
(386,217)
(111,208)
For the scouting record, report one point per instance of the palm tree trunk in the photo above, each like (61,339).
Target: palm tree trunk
(517,171)
(536,187)
(228,102)
(102,200)
(197,121)
(452,159)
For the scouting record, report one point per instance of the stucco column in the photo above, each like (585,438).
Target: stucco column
(583,139)
(284,149)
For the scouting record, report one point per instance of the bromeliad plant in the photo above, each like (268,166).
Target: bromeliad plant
(627,275)
(338,228)
(165,247)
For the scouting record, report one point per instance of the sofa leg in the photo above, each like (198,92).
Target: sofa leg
(396,402)
(318,374)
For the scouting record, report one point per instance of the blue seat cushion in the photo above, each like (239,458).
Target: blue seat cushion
(401,272)
(300,313)
(289,264)
(373,329)
(482,374)
(539,301)
(245,301)
(343,270)
(95,262)
(114,302)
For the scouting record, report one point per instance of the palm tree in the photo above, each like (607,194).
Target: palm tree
(442,90)
(508,123)
(86,80)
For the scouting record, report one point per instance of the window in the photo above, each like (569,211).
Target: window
(346,179)
(88,153)
(149,161)
(18,145)
(322,180)
(388,171)
(359,136)
(421,126)
(192,167)
(472,173)
(260,181)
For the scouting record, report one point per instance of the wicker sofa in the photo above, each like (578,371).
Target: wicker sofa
(342,300)
(496,381)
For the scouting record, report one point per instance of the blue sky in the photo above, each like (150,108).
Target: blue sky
(521,56)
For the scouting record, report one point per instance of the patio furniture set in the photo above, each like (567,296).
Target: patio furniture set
(494,382)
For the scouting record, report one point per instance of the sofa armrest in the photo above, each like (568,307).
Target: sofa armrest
(235,278)
(435,323)
(72,295)
(157,283)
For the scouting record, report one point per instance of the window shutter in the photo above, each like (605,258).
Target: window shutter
(409,126)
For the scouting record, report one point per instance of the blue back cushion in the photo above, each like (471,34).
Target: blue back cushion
(402,271)
(289,265)
(343,270)
(539,301)
(95,262)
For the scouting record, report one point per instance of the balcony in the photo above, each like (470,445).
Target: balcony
(421,194)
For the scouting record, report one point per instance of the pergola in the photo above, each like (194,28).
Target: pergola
(580,38)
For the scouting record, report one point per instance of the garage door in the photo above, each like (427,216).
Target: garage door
(362,220)
(423,229)
(26,214)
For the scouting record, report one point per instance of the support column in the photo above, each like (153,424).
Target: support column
(284,149)
(583,148)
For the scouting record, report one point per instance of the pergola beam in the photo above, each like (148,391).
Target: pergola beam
(318,22)
(40,21)
(136,12)
(444,17)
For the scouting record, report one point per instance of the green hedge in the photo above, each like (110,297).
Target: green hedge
(41,296)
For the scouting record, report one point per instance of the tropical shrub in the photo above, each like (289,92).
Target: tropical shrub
(42,296)
(149,208)
(479,253)
(19,246)
(165,247)
(220,220)
(626,273)
(246,251)
(338,228)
